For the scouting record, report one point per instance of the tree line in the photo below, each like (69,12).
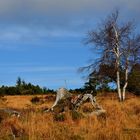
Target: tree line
(24,88)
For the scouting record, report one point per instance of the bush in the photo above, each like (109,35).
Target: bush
(76,137)
(50,98)
(35,100)
(76,115)
(87,109)
(63,105)
(59,117)
(134,80)
(136,109)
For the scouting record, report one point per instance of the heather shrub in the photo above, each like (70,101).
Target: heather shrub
(76,115)
(87,109)
(76,137)
(59,117)
(35,100)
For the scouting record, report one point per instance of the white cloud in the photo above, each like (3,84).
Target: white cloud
(37,69)
(50,76)
(27,34)
(45,69)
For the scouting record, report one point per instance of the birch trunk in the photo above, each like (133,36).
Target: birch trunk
(118,85)
(117,53)
(118,73)
(125,85)
(118,76)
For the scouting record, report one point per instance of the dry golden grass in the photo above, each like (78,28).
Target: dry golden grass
(121,122)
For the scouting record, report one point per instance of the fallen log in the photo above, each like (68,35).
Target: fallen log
(98,112)
(9,112)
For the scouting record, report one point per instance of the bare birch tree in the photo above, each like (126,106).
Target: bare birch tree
(118,46)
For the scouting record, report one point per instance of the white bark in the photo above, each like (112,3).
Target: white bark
(118,54)
(118,85)
(118,73)
(125,85)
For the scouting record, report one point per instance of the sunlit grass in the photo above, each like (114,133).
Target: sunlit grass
(121,122)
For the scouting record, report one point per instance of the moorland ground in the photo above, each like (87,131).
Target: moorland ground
(121,121)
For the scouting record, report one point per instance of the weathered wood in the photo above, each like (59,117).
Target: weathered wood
(64,99)
(98,112)
(9,112)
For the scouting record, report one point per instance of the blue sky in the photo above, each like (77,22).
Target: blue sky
(41,40)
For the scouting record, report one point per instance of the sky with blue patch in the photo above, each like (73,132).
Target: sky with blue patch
(42,40)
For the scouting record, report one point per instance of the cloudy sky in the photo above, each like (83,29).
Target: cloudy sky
(41,40)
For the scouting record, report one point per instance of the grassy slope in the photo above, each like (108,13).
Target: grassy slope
(121,122)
